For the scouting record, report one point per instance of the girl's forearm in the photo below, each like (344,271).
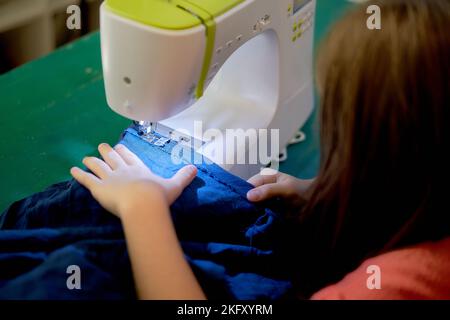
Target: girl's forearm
(160,270)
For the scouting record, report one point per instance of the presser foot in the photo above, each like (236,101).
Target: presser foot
(146,131)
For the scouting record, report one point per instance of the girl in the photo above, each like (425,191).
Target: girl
(381,189)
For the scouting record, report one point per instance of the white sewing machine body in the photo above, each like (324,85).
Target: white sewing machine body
(259,76)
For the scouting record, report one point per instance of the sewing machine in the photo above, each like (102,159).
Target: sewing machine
(195,70)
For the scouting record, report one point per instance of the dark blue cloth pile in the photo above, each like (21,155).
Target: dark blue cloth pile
(230,243)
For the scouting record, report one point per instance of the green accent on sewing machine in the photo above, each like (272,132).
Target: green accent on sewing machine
(156,13)
(216,7)
(209,51)
(53,112)
(210,28)
(165,14)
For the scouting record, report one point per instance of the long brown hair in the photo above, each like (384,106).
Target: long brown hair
(385,123)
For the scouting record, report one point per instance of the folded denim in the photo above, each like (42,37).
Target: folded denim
(230,243)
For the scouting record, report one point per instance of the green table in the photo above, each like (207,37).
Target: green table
(54,112)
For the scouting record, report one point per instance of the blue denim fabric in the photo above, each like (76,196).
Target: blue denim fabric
(230,243)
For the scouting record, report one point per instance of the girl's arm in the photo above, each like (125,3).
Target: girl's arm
(123,185)
(159,267)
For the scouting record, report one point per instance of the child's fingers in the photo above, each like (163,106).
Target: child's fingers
(111,157)
(259,179)
(266,191)
(128,156)
(86,179)
(184,177)
(97,166)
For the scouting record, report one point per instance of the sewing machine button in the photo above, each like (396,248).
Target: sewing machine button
(219,50)
(229,43)
(239,37)
(266,20)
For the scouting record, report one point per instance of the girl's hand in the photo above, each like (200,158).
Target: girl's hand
(277,184)
(121,179)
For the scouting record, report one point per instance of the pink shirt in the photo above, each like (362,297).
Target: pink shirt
(417,272)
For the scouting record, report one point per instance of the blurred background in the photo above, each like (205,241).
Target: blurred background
(30,29)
